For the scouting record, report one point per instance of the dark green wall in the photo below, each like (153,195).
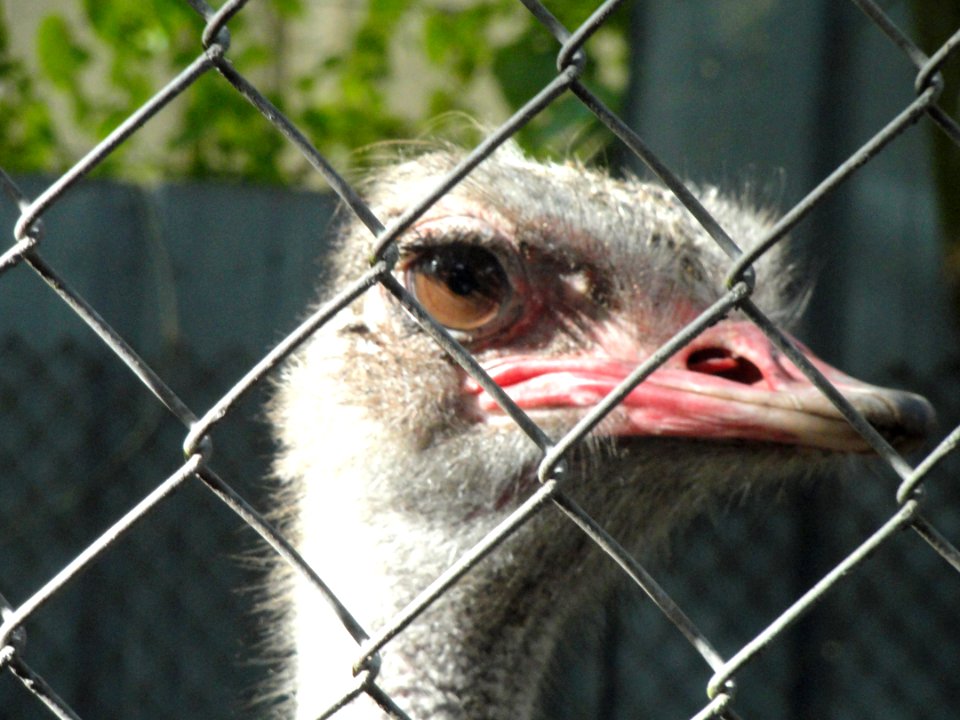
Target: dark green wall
(201,280)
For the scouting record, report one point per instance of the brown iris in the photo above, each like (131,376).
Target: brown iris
(462,286)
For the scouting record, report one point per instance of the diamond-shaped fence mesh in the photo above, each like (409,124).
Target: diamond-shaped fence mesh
(150,619)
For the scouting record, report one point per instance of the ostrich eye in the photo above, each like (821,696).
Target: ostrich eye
(462,286)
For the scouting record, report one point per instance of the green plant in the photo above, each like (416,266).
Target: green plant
(482,59)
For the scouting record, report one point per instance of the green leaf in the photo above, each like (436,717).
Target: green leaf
(61,56)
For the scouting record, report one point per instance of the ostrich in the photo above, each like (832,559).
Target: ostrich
(393,462)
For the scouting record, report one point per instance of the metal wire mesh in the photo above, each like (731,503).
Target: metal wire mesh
(197,444)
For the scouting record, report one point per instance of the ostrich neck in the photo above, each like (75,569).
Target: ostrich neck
(479,653)
(387,528)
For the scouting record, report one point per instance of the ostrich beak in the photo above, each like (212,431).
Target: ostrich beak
(731,383)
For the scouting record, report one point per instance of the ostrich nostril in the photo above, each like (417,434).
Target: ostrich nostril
(722,363)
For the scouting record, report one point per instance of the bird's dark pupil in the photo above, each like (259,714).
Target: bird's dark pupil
(459,278)
(469,271)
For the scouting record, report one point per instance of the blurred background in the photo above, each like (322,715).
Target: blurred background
(201,240)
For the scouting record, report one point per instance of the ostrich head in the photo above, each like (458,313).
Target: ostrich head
(560,281)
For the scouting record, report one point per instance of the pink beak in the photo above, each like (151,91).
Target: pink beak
(730,383)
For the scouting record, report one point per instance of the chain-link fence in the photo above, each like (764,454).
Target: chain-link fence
(136,428)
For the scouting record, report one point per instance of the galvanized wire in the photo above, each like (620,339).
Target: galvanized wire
(215,42)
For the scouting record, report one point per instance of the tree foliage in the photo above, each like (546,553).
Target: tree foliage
(104,59)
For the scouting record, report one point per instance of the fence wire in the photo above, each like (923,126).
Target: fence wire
(28,235)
